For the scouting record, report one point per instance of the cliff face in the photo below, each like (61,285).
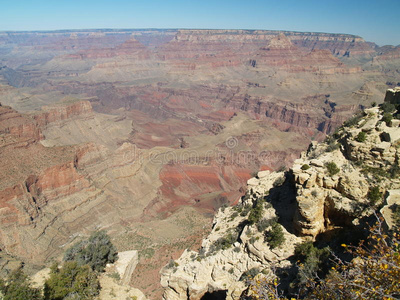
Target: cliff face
(63,112)
(17,128)
(328,188)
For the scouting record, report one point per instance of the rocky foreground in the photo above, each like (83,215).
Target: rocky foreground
(329,187)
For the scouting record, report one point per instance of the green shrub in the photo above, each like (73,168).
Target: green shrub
(279,181)
(256,213)
(332,147)
(234,215)
(388,107)
(275,236)
(373,104)
(249,274)
(305,167)
(361,137)
(115,276)
(353,120)
(224,243)
(332,168)
(264,223)
(375,172)
(312,259)
(387,118)
(245,210)
(394,171)
(96,252)
(18,286)
(374,195)
(72,281)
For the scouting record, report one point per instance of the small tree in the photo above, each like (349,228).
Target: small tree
(387,118)
(361,137)
(312,261)
(388,107)
(71,282)
(96,252)
(374,195)
(256,213)
(332,168)
(275,236)
(18,286)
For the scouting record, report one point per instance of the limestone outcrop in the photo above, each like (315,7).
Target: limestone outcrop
(234,247)
(334,184)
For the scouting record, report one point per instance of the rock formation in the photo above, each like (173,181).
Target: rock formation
(335,184)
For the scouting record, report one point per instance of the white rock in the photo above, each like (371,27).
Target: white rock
(263,174)
(253,181)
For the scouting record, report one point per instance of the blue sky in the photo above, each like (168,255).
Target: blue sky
(374,20)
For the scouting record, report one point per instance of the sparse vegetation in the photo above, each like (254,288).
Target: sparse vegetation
(305,167)
(224,243)
(332,168)
(387,118)
(265,223)
(361,137)
(234,215)
(275,236)
(353,120)
(279,181)
(256,213)
(332,147)
(379,173)
(374,195)
(249,274)
(115,276)
(246,209)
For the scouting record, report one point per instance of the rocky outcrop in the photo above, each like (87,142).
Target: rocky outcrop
(335,184)
(329,198)
(233,247)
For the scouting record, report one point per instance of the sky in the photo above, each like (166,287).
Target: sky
(375,20)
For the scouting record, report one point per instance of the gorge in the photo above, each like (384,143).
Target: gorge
(146,133)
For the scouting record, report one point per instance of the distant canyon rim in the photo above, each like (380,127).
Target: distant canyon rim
(145,133)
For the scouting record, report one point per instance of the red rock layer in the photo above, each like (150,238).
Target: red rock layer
(190,184)
(17,128)
(54,114)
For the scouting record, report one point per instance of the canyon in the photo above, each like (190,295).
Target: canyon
(146,133)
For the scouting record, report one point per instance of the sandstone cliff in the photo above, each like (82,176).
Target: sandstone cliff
(331,186)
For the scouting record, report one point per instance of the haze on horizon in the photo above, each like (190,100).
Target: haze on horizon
(375,21)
